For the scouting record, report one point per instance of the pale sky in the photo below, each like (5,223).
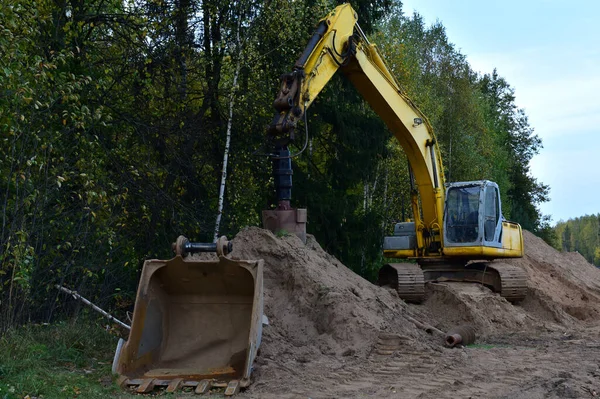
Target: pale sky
(549,52)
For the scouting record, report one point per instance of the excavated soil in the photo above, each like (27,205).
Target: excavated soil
(332,334)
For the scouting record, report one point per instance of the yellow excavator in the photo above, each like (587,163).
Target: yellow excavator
(197,322)
(457,228)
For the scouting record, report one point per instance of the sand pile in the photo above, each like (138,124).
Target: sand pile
(450,304)
(316,305)
(563,292)
(323,318)
(328,325)
(320,307)
(564,286)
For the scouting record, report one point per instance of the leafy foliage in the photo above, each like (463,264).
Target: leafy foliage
(581,234)
(112,129)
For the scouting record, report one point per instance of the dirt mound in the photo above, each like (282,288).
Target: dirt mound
(450,304)
(564,285)
(322,317)
(315,304)
(332,333)
(563,292)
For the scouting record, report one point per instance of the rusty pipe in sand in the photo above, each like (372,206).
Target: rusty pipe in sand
(461,335)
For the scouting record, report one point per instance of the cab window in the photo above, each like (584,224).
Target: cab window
(462,206)
(492,212)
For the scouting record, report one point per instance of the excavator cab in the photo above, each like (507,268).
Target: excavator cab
(196,323)
(473,214)
(472,218)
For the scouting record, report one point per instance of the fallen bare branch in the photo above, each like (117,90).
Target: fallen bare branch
(91,305)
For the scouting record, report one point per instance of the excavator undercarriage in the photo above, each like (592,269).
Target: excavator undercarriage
(409,278)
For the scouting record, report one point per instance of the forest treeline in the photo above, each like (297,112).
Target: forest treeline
(114,118)
(581,234)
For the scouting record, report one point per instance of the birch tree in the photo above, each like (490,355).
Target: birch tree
(228,134)
(239,57)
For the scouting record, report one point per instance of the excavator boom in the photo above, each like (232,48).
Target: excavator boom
(339,43)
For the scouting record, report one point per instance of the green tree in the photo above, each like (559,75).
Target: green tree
(114,117)
(581,235)
(566,239)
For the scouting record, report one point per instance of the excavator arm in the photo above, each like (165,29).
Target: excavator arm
(339,43)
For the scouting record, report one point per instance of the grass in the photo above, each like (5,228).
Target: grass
(282,233)
(488,346)
(483,346)
(65,360)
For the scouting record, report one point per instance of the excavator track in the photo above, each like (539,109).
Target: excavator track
(409,279)
(512,280)
(406,278)
(507,280)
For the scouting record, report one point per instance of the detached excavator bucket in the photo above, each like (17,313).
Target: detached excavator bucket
(196,323)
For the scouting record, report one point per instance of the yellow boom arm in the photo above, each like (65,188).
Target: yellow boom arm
(339,43)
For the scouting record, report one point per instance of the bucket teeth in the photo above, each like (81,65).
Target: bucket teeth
(203,387)
(147,385)
(122,381)
(232,388)
(174,385)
